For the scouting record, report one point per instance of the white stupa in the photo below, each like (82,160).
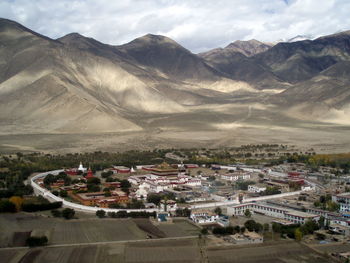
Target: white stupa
(81,168)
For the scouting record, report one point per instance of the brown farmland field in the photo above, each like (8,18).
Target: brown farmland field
(145,225)
(61,231)
(164,250)
(179,228)
(282,252)
(95,230)
(162,254)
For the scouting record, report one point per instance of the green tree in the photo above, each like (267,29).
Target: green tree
(7,207)
(68,213)
(63,193)
(332,206)
(100,213)
(266,227)
(276,227)
(321,222)
(250,225)
(218,211)
(247,213)
(240,198)
(93,180)
(298,234)
(154,198)
(125,185)
(204,231)
(36,241)
(236,229)
(56,213)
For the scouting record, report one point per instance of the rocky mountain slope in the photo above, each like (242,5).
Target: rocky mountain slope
(76,84)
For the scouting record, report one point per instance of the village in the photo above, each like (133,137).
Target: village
(206,203)
(245,201)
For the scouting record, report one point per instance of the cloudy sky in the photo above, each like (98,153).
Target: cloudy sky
(196,24)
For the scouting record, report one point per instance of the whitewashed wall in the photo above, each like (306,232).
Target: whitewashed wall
(53,198)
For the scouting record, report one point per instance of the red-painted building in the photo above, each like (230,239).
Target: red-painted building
(191,166)
(72,171)
(293,174)
(90,174)
(112,184)
(121,169)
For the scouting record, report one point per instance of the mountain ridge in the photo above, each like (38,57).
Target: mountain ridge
(78,84)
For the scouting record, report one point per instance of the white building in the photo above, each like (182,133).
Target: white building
(168,205)
(246,238)
(81,168)
(340,221)
(339,229)
(155,183)
(294,216)
(256,188)
(235,176)
(157,187)
(203,216)
(343,200)
(142,191)
(193,182)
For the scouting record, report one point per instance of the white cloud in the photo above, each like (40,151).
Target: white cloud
(196,24)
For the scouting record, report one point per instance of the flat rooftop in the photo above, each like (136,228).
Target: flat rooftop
(345,195)
(299,213)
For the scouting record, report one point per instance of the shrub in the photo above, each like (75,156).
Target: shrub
(34,207)
(223,230)
(36,241)
(251,225)
(142,214)
(112,214)
(183,212)
(56,213)
(204,231)
(7,207)
(100,213)
(68,213)
(17,201)
(218,211)
(63,193)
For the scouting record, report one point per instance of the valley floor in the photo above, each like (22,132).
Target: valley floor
(323,139)
(167,250)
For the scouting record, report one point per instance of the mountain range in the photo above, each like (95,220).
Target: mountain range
(76,84)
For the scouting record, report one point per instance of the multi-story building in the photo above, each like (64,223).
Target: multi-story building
(235,176)
(294,216)
(99,198)
(343,200)
(204,216)
(256,188)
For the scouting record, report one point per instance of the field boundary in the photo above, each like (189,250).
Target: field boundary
(108,242)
